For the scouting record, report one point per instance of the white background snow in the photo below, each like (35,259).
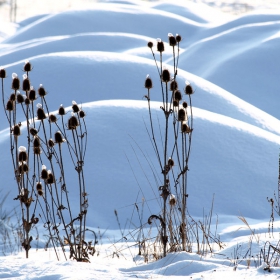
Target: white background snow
(98,57)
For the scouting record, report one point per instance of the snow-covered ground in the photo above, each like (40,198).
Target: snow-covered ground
(98,57)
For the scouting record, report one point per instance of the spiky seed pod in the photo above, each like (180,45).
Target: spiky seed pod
(41,114)
(75,107)
(2,73)
(82,114)
(185,104)
(27,67)
(150,44)
(171,162)
(185,128)
(22,156)
(61,111)
(20,98)
(32,94)
(172,200)
(39,186)
(12,97)
(36,142)
(37,151)
(73,123)
(173,85)
(27,101)
(148,82)
(177,95)
(40,193)
(58,138)
(160,46)
(23,168)
(178,38)
(26,85)
(181,115)
(41,91)
(16,130)
(15,82)
(50,179)
(175,103)
(51,143)
(52,118)
(172,40)
(33,131)
(188,90)
(10,105)
(165,77)
(44,173)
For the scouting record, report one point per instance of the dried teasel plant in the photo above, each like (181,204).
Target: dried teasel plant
(39,163)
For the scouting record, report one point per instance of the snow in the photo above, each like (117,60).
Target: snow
(98,57)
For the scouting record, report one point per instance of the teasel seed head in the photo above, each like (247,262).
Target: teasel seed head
(160,45)
(61,110)
(25,83)
(171,162)
(20,98)
(40,193)
(181,115)
(41,91)
(36,142)
(27,101)
(50,179)
(175,103)
(148,82)
(185,128)
(23,168)
(172,200)
(58,138)
(37,151)
(52,118)
(75,107)
(40,112)
(73,123)
(2,73)
(39,186)
(150,44)
(33,131)
(16,130)
(32,94)
(15,82)
(22,156)
(51,143)
(172,40)
(10,105)
(165,77)
(82,114)
(177,95)
(178,38)
(185,104)
(12,97)
(189,89)
(27,66)
(44,173)
(173,85)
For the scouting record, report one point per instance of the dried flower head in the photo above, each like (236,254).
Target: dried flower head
(50,179)
(165,77)
(58,138)
(16,130)
(32,94)
(22,156)
(185,104)
(52,118)
(82,114)
(10,105)
(27,66)
(173,85)
(41,91)
(170,162)
(175,103)
(51,143)
(150,44)
(177,95)
(189,89)
(2,73)
(25,83)
(160,45)
(41,114)
(33,131)
(185,128)
(23,168)
(75,107)
(178,38)
(12,97)
(44,173)
(36,142)
(73,122)
(20,98)
(172,200)
(61,110)
(172,40)
(37,151)
(27,101)
(39,186)
(148,82)
(181,115)
(15,82)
